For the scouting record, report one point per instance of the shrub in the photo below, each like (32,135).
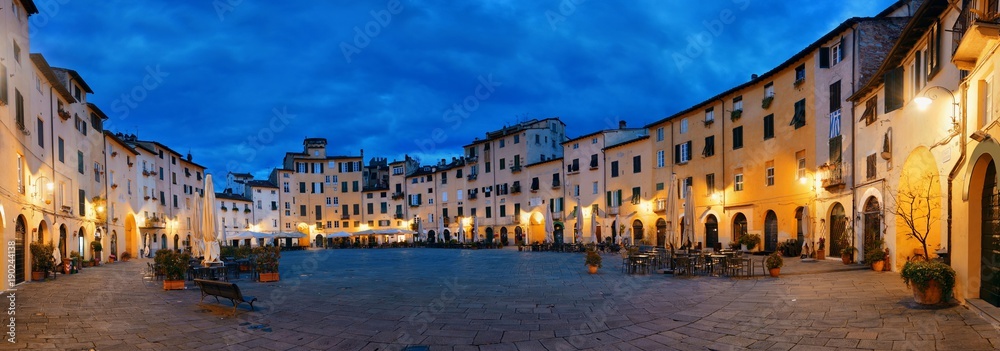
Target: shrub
(774,260)
(41,257)
(921,273)
(267,258)
(750,240)
(173,264)
(593,258)
(874,255)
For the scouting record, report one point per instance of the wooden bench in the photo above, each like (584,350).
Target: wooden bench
(225,290)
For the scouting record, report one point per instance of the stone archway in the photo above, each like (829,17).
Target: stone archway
(114,242)
(431,236)
(740,226)
(81,242)
(319,240)
(163,241)
(838,226)
(177,242)
(770,231)
(503,236)
(872,223)
(447,235)
(637,231)
(519,235)
(489,234)
(661,232)
(712,232)
(984,218)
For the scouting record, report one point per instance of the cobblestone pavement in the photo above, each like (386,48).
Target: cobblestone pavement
(490,300)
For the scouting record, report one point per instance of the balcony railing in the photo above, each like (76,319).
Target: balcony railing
(515,189)
(398,215)
(833,176)
(613,210)
(974,28)
(397,195)
(155,222)
(515,168)
(345,216)
(471,159)
(472,176)
(472,196)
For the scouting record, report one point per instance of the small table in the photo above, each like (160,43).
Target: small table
(638,261)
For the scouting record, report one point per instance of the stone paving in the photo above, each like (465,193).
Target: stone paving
(491,300)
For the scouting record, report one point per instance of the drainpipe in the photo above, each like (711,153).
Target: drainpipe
(954,170)
(854,105)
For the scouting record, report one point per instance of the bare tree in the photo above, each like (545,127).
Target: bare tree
(918,207)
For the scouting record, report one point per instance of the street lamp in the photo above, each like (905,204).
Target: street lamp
(924,100)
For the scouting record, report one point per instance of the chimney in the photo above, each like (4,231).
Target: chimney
(621,124)
(753,76)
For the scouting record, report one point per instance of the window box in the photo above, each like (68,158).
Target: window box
(708,122)
(766,103)
(64,114)
(736,114)
(799,82)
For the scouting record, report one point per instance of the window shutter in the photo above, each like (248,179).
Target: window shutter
(893,89)
(835,146)
(677,154)
(688,150)
(824,57)
(843,47)
(608,199)
(834,96)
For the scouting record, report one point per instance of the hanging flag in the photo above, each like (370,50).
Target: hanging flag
(834,124)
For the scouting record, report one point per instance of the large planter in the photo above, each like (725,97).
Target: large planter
(878,266)
(846,258)
(173,284)
(775,272)
(821,254)
(37,276)
(268,277)
(592,269)
(930,296)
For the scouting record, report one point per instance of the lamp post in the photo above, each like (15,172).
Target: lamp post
(929,95)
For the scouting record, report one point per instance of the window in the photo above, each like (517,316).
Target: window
(517,138)
(636,164)
(79,161)
(710,183)
(800,74)
(83,203)
(20,174)
(576,146)
(769,90)
(593,141)
(40,132)
(614,169)
(837,53)
(738,138)
(769,173)
(934,47)
(62,152)
(835,96)
(800,171)
(286,187)
(916,79)
(659,135)
(636,195)
(17,50)
(489,211)
(503,163)
(684,126)
(659,159)
(738,180)
(19,109)
(595,185)
(682,153)
(738,103)
(870,170)
(709,149)
(3,84)
(613,198)
(593,161)
(710,114)
(799,119)
(893,89)
(502,143)
(871,111)
(769,126)
(576,190)
(302,187)
(488,168)
(659,186)
(444,196)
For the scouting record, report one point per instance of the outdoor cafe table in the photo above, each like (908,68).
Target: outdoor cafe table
(638,260)
(717,262)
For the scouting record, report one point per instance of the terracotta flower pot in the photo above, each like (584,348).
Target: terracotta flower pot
(930,296)
(846,258)
(821,254)
(878,266)
(592,269)
(173,284)
(268,277)
(774,272)
(37,276)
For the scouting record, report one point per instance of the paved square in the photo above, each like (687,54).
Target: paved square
(490,300)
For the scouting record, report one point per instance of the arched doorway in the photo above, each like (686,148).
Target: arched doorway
(447,235)
(873,223)
(177,242)
(519,235)
(614,231)
(770,231)
(557,232)
(131,235)
(838,225)
(319,240)
(63,242)
(43,230)
(661,232)
(187,243)
(711,231)
(81,242)
(20,239)
(503,236)
(600,238)
(489,234)
(431,236)
(637,231)
(989,288)
(163,241)
(740,226)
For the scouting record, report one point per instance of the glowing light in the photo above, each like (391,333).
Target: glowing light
(50,186)
(922,102)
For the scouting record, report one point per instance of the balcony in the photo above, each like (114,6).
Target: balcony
(471,159)
(555,184)
(471,176)
(833,176)
(515,168)
(557,216)
(414,204)
(345,216)
(613,210)
(446,220)
(398,215)
(472,196)
(975,30)
(398,195)
(516,188)
(155,223)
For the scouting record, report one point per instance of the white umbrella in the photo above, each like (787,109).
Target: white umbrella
(197,242)
(340,234)
(208,226)
(549,226)
(475,228)
(578,237)
(420,228)
(249,235)
(57,255)
(614,228)
(593,226)
(805,230)
(689,214)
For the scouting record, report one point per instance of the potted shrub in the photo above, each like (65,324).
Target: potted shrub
(41,260)
(876,258)
(847,254)
(126,256)
(774,263)
(267,262)
(75,262)
(750,241)
(593,261)
(931,281)
(821,250)
(96,247)
(173,265)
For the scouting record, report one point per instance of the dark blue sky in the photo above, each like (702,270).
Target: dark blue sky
(241,82)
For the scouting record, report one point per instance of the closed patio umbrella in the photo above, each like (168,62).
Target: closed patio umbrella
(208,226)
(549,225)
(593,227)
(805,231)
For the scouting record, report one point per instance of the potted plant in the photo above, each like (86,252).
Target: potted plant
(774,263)
(821,249)
(75,262)
(96,247)
(847,254)
(41,260)
(593,261)
(931,281)
(267,262)
(126,256)
(876,258)
(173,265)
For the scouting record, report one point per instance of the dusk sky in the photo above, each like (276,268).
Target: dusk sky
(241,82)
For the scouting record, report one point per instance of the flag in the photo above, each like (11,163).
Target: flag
(834,124)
